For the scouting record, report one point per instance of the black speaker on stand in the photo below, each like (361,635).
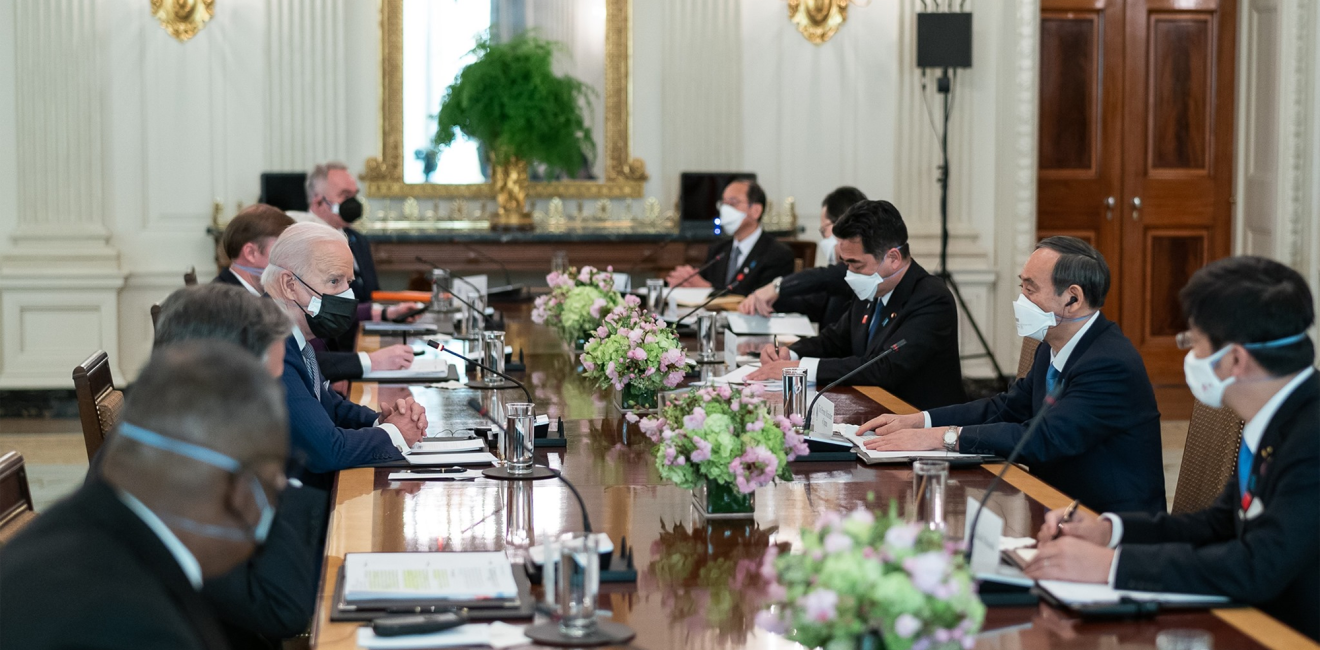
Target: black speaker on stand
(944,43)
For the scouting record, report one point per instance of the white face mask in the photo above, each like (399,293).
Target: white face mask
(1206,386)
(730,218)
(865,285)
(1032,321)
(826,249)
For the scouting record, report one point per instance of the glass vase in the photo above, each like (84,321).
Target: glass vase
(719,501)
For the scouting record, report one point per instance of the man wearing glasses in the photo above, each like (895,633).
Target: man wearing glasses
(748,260)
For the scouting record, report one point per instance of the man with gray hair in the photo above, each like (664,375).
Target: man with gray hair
(1100,442)
(187,491)
(308,276)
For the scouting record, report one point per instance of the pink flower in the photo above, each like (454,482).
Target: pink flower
(818,606)
(927,570)
(861,516)
(671,357)
(768,621)
(724,391)
(674,378)
(906,625)
(695,420)
(631,300)
(755,468)
(702,452)
(637,354)
(902,537)
(756,425)
(596,306)
(828,519)
(632,417)
(837,542)
(601,332)
(795,420)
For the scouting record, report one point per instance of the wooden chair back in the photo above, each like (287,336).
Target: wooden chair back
(1209,457)
(99,403)
(16,509)
(1028,356)
(190,277)
(804,254)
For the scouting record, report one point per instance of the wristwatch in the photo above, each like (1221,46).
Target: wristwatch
(775,284)
(951,439)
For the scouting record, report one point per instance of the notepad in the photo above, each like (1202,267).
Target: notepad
(1081,594)
(872,457)
(428,576)
(448,445)
(446,460)
(786,325)
(689,296)
(422,369)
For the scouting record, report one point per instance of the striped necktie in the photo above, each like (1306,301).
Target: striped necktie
(309,358)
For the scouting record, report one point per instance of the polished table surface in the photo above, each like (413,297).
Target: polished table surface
(695,589)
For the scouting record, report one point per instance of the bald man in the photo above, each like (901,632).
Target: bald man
(187,491)
(309,275)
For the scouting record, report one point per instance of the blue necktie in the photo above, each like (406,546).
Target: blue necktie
(1051,378)
(1244,467)
(313,370)
(875,319)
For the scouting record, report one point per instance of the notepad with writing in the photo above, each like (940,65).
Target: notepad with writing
(872,457)
(422,369)
(428,577)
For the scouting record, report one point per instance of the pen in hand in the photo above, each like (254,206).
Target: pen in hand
(1067,517)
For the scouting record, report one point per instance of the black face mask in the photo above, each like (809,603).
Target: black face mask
(335,315)
(350,209)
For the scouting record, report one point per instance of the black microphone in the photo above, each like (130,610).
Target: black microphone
(436,344)
(508,278)
(586,519)
(890,350)
(469,305)
(1050,399)
(648,256)
(694,274)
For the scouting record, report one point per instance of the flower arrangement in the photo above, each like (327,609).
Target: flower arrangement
(634,349)
(861,573)
(723,438)
(577,303)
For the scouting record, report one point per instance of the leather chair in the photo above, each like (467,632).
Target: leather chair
(1209,457)
(99,403)
(16,509)
(1028,356)
(190,278)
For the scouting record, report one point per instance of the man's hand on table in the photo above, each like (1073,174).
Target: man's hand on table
(408,416)
(394,357)
(685,276)
(1071,558)
(1084,526)
(902,433)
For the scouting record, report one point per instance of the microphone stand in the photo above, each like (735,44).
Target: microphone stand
(693,274)
(437,345)
(810,408)
(1046,404)
(516,289)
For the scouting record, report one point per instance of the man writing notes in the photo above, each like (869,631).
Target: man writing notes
(818,293)
(1259,543)
(750,258)
(1100,442)
(896,300)
(246,241)
(187,491)
(309,276)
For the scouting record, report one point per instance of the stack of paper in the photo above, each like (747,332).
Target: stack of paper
(1080,594)
(422,369)
(428,576)
(449,459)
(871,457)
(447,445)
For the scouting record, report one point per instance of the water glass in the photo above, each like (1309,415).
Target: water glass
(579,582)
(518,535)
(493,351)
(559,262)
(795,392)
(476,318)
(441,285)
(1185,640)
(519,437)
(929,478)
(706,337)
(655,292)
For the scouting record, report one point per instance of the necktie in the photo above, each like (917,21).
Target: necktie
(1051,378)
(734,255)
(875,320)
(309,358)
(1244,468)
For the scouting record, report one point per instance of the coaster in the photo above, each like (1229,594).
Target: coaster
(488,385)
(607,633)
(502,474)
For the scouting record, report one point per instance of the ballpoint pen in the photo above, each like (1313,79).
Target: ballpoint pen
(1067,517)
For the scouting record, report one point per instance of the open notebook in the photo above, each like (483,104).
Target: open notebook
(871,457)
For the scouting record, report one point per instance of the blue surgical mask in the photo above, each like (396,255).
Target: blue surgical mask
(215,459)
(254,270)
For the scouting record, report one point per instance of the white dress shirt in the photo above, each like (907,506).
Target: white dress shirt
(252,290)
(812,363)
(187,561)
(396,436)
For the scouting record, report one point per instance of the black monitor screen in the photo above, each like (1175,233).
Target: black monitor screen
(700,191)
(284,190)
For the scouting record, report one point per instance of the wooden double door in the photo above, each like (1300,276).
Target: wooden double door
(1136,150)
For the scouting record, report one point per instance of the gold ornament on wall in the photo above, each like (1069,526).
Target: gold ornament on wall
(818,20)
(183,18)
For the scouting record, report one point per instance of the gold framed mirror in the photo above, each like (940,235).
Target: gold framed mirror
(620,175)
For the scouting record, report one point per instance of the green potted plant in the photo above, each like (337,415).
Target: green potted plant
(510,100)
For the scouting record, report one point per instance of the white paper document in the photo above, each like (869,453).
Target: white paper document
(496,635)
(427,367)
(428,576)
(779,325)
(448,445)
(688,296)
(422,475)
(1082,594)
(739,376)
(870,456)
(446,460)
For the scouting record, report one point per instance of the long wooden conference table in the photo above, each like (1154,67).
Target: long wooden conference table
(692,591)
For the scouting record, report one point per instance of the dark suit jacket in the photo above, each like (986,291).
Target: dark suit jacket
(820,294)
(89,573)
(926,372)
(1271,560)
(1101,441)
(768,260)
(364,284)
(333,432)
(335,365)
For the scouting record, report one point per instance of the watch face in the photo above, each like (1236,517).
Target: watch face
(950,437)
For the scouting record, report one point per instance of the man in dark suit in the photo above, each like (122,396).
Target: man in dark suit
(187,491)
(1259,543)
(819,293)
(747,260)
(896,300)
(309,276)
(1101,441)
(246,241)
